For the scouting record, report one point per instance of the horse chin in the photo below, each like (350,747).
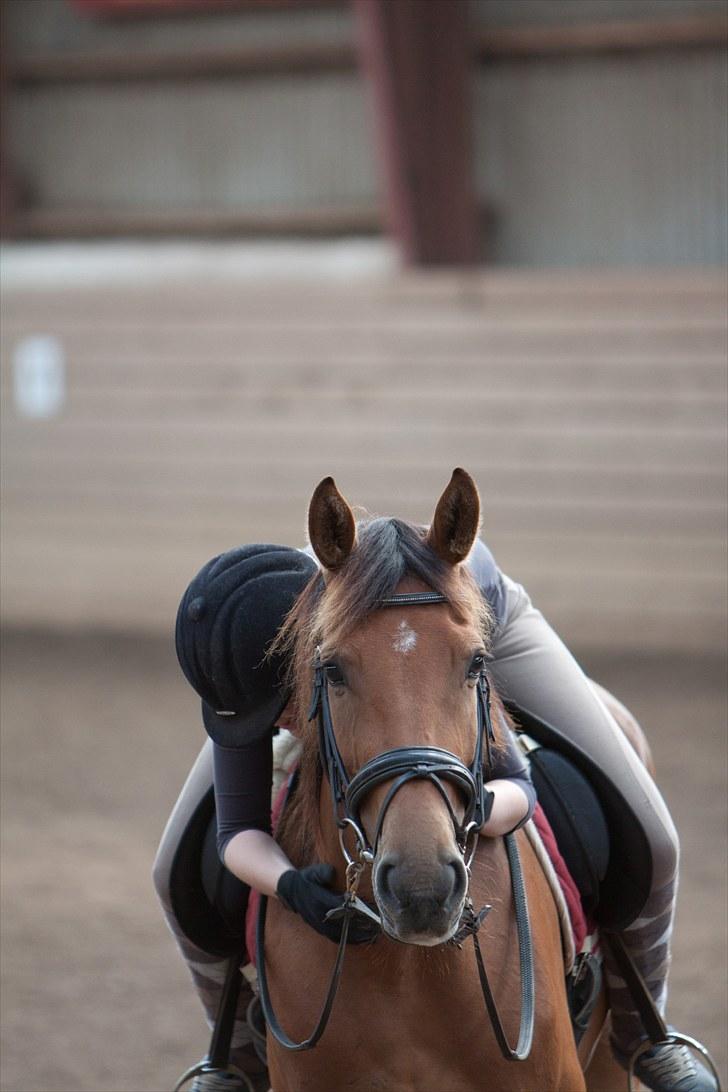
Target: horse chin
(427,939)
(424,940)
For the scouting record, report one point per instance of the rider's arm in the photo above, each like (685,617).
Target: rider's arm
(514,796)
(242,777)
(510,810)
(256,859)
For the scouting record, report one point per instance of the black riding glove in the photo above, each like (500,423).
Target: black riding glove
(306,891)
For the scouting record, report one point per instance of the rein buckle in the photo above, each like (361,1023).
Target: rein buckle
(470,923)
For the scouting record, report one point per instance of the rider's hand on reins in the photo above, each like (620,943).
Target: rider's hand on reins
(307,892)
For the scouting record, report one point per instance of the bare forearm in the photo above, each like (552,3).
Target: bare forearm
(256,859)
(509,807)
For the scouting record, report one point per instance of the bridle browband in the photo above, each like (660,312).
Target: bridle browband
(402,765)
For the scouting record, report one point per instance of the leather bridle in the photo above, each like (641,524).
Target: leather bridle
(400,766)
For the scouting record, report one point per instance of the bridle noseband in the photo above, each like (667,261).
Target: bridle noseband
(401,764)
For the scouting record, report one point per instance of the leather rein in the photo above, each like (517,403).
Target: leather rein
(400,766)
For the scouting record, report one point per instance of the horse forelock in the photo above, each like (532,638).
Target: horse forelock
(387,551)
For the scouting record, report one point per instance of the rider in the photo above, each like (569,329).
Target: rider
(228,616)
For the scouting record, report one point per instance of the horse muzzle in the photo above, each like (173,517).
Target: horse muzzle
(417,904)
(420,894)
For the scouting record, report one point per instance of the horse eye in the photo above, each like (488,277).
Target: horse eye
(334,674)
(476,665)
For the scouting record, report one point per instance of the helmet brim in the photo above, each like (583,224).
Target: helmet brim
(236,730)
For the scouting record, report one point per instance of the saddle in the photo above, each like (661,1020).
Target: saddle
(599,836)
(208,901)
(576,818)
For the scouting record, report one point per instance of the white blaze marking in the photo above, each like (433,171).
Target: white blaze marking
(406,638)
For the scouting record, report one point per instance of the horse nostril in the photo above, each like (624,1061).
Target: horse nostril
(458,878)
(384,877)
(401,887)
(454,880)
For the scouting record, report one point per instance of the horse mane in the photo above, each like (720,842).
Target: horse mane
(387,550)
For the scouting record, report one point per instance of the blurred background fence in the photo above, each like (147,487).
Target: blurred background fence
(572,165)
(201,412)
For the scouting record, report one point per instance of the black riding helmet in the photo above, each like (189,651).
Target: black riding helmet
(229,615)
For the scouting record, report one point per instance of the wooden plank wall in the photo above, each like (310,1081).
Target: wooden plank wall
(201,413)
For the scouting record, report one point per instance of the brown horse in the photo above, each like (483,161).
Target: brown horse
(409,1014)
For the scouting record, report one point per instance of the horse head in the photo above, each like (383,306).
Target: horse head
(397,631)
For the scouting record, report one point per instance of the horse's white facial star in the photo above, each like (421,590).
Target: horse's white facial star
(406,638)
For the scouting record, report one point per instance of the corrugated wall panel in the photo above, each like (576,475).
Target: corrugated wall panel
(580,161)
(615,160)
(227,145)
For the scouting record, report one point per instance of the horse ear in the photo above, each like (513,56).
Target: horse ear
(457,519)
(331,527)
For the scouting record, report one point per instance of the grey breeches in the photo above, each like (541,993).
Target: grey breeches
(208,971)
(533,667)
(196,786)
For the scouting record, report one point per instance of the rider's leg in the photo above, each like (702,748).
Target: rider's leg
(533,667)
(208,971)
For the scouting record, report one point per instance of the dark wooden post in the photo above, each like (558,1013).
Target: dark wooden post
(417,54)
(7,184)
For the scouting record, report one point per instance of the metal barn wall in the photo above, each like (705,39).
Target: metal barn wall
(232,144)
(229,143)
(606,158)
(203,407)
